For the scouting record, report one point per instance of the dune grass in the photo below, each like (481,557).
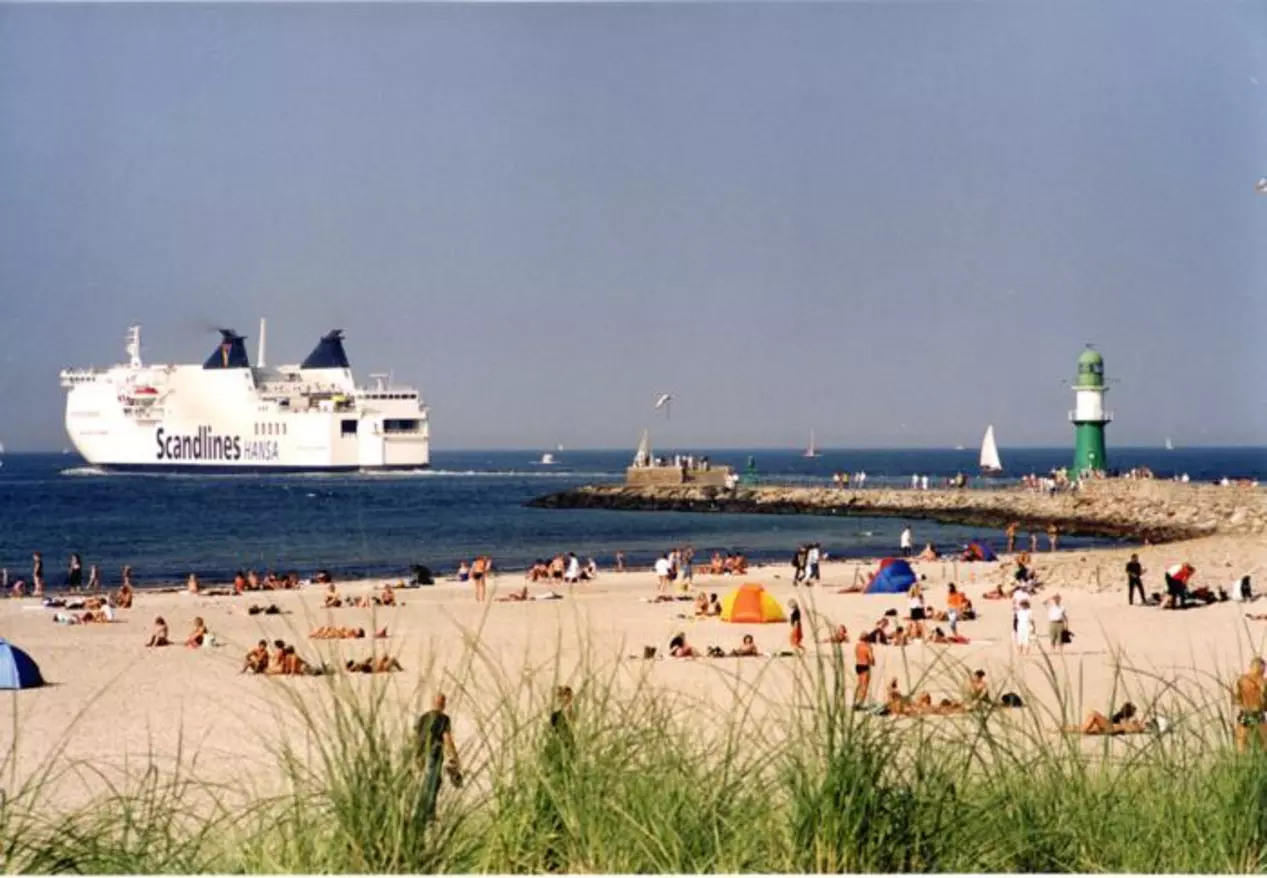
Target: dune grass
(654,783)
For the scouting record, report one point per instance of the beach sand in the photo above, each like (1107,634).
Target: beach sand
(117,706)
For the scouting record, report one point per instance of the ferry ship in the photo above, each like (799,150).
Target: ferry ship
(229,416)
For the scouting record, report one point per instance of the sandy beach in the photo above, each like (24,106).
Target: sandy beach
(116,705)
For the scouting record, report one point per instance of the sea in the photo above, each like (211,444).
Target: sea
(469,503)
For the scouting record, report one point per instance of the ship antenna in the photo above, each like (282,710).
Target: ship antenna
(133,347)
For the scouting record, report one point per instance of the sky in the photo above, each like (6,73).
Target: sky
(891,223)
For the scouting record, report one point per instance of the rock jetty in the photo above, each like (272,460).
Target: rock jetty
(1155,511)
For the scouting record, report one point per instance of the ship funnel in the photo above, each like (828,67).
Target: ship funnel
(263,335)
(328,354)
(230,353)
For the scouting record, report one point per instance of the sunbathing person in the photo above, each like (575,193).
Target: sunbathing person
(929,553)
(191,585)
(514,596)
(123,598)
(839,634)
(747,648)
(382,665)
(331,632)
(270,610)
(277,659)
(292,664)
(388,597)
(159,637)
(679,648)
(977,691)
(332,598)
(940,636)
(701,604)
(199,634)
(717,566)
(257,659)
(1124,722)
(714,605)
(896,703)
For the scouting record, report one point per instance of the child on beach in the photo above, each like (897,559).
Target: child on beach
(797,637)
(199,635)
(159,637)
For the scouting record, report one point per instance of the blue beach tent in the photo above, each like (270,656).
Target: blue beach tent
(17,669)
(895,576)
(979,550)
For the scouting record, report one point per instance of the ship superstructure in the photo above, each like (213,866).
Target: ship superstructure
(228,415)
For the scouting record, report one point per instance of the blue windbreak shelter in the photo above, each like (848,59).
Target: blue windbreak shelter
(17,669)
(895,576)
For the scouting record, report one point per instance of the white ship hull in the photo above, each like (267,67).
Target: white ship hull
(188,418)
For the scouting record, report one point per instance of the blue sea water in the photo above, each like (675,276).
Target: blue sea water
(471,502)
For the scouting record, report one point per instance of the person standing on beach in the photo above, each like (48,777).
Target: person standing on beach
(479,577)
(1011,537)
(434,732)
(662,572)
(1053,534)
(620,562)
(798,565)
(906,541)
(1057,622)
(863,662)
(1033,543)
(74,572)
(797,637)
(1248,699)
(1134,580)
(37,575)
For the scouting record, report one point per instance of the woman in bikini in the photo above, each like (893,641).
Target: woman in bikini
(1124,722)
(747,648)
(159,637)
(199,635)
(679,648)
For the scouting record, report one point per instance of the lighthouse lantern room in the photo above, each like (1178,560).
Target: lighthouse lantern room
(1089,417)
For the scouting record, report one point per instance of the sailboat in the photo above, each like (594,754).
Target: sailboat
(811,451)
(990,462)
(642,457)
(1170,446)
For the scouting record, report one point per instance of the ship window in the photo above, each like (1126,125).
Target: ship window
(400,425)
(348,427)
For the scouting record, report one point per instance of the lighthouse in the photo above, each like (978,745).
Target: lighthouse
(1088,416)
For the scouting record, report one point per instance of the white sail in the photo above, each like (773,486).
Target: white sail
(990,452)
(643,456)
(1170,446)
(812,451)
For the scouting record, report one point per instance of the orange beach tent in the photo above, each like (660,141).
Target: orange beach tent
(751,603)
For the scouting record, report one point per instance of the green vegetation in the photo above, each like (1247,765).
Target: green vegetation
(654,784)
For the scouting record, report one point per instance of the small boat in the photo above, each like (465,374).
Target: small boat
(961,448)
(812,451)
(990,463)
(547,459)
(1170,446)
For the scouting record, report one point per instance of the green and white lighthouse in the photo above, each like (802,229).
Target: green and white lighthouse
(1088,416)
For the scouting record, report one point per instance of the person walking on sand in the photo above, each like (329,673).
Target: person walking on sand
(1057,622)
(1024,627)
(813,556)
(1248,699)
(863,662)
(37,575)
(1134,581)
(434,731)
(1011,537)
(798,565)
(906,541)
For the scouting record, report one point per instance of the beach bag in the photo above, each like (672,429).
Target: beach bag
(1011,699)
(1066,636)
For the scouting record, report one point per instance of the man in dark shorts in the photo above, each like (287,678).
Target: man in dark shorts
(864,661)
(435,742)
(1134,580)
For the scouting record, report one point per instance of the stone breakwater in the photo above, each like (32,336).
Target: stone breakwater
(1137,510)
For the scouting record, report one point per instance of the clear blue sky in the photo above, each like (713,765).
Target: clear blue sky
(890,222)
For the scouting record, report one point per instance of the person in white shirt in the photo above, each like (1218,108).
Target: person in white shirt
(1057,622)
(573,572)
(1024,627)
(923,483)
(915,482)
(812,557)
(906,541)
(662,574)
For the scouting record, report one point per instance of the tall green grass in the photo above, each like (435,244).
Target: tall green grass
(656,783)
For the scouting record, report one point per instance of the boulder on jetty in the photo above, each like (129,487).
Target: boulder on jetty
(1130,509)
